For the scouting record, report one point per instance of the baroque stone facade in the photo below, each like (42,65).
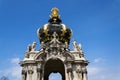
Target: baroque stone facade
(54,54)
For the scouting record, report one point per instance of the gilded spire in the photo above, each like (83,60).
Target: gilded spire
(54,13)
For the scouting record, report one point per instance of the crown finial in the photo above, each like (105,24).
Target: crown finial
(54,13)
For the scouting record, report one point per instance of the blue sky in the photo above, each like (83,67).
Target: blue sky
(95,24)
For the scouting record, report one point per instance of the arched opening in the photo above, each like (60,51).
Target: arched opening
(54,66)
(55,76)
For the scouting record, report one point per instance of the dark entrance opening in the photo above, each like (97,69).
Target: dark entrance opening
(54,66)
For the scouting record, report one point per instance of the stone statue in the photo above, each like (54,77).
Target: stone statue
(66,45)
(31,47)
(28,48)
(42,45)
(77,47)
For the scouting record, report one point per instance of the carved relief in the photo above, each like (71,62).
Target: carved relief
(30,69)
(79,71)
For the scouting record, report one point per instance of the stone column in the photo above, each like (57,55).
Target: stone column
(39,74)
(30,72)
(24,75)
(39,71)
(85,74)
(79,71)
(69,71)
(79,74)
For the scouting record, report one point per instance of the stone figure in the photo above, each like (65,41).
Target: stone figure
(42,45)
(79,71)
(66,45)
(28,48)
(31,47)
(77,47)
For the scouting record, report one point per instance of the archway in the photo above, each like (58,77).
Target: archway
(54,66)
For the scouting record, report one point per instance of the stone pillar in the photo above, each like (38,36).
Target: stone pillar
(69,71)
(85,74)
(30,72)
(38,74)
(24,75)
(79,74)
(39,71)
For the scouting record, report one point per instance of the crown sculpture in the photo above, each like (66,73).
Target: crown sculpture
(54,54)
(54,26)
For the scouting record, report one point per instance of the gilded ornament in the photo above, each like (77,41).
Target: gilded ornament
(54,13)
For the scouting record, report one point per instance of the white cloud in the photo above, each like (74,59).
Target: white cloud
(97,60)
(105,75)
(15,60)
(96,73)
(94,66)
(97,70)
(14,71)
(94,70)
